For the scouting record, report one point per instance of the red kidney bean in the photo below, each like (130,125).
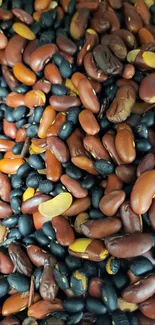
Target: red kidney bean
(131,221)
(14,50)
(101,228)
(64,232)
(73,187)
(31,205)
(110,202)
(41,56)
(140,291)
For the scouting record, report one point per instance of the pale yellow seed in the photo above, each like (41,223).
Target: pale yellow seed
(28,193)
(23,31)
(126,306)
(80,245)
(132,55)
(149,59)
(56,206)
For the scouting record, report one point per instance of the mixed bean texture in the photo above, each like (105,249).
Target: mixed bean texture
(77,162)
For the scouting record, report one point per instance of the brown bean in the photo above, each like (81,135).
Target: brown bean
(5,210)
(147,163)
(52,74)
(20,259)
(88,96)
(128,245)
(92,70)
(108,141)
(79,220)
(73,187)
(132,19)
(115,4)
(3,40)
(126,173)
(41,56)
(66,45)
(31,205)
(121,106)
(142,320)
(94,146)
(48,288)
(127,82)
(91,39)
(75,143)
(42,308)
(148,308)
(14,50)
(125,146)
(29,49)
(84,163)
(129,71)
(152,214)
(24,75)
(3,58)
(43,85)
(143,11)
(20,135)
(143,192)
(146,89)
(15,99)
(34,98)
(9,78)
(55,173)
(63,103)
(95,287)
(78,206)
(140,291)
(46,121)
(40,5)
(54,128)
(5,14)
(6,145)
(79,23)
(113,183)
(59,148)
(132,222)
(6,265)
(76,77)
(17,302)
(10,166)
(151,139)
(116,45)
(88,122)
(64,232)
(5,187)
(101,228)
(110,202)
(23,15)
(9,129)
(38,256)
(91,249)
(127,37)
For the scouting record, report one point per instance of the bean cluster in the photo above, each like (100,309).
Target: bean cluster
(77,162)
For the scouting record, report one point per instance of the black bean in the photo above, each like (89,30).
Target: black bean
(143,145)
(3,93)
(119,318)
(65,130)
(28,241)
(148,118)
(4,286)
(141,265)
(71,7)
(73,262)
(89,268)
(132,318)
(57,249)
(79,283)
(73,171)
(61,32)
(96,195)
(25,225)
(120,280)
(18,281)
(95,305)
(16,192)
(37,276)
(15,234)
(113,265)
(110,91)
(8,115)
(47,36)
(58,90)
(16,181)
(6,24)
(21,89)
(24,170)
(95,214)
(37,115)
(20,123)
(32,131)
(104,124)
(88,181)
(62,280)
(57,59)
(133,120)
(17,148)
(47,18)
(33,180)
(153,19)
(106,319)
(41,238)
(19,112)
(28,6)
(73,114)
(48,230)
(17,4)
(45,186)
(36,27)
(10,221)
(74,304)
(104,167)
(138,76)
(36,162)
(109,296)
(15,203)
(65,69)
(141,131)
(59,188)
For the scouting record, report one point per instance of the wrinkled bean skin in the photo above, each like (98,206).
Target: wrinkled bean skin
(132,222)
(140,291)
(41,55)
(38,256)
(48,288)
(110,202)
(137,244)
(101,228)
(42,308)
(20,259)
(64,232)
(17,302)
(143,192)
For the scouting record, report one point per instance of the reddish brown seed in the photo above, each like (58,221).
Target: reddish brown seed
(78,206)
(101,228)
(140,291)
(17,302)
(20,259)
(48,287)
(131,221)
(14,50)
(38,256)
(42,308)
(129,245)
(113,183)
(53,174)
(54,128)
(41,56)
(64,232)
(129,71)
(59,148)
(6,265)
(148,309)
(15,100)
(94,146)
(29,49)
(3,40)
(10,166)
(95,287)
(43,85)
(126,173)
(152,214)
(88,95)
(75,143)
(125,146)
(84,163)
(5,187)
(51,73)
(5,210)
(88,122)
(110,202)
(23,15)
(146,89)
(63,103)
(73,187)
(108,141)
(147,163)
(46,121)
(31,205)
(9,129)
(9,77)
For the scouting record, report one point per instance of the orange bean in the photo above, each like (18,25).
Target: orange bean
(46,121)
(10,166)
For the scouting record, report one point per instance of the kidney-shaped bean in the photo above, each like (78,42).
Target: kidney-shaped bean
(64,232)
(110,202)
(41,56)
(140,291)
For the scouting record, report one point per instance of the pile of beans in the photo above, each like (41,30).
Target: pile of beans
(77,162)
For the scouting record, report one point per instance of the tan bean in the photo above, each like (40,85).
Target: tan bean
(110,202)
(79,220)
(79,23)
(88,122)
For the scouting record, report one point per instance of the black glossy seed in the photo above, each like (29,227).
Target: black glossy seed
(41,238)
(146,219)
(74,319)
(132,318)
(47,18)
(57,59)
(95,305)
(88,181)
(17,4)
(10,221)
(4,286)
(71,7)
(74,304)
(45,186)
(25,225)
(3,82)
(30,119)
(15,234)
(90,268)
(24,170)
(141,265)
(65,69)
(133,120)
(37,276)
(143,145)
(8,115)
(113,265)
(79,283)
(20,123)
(58,90)
(59,188)
(32,131)
(48,230)
(16,192)
(65,130)
(17,148)
(28,241)
(1,155)
(109,296)
(19,112)
(153,19)
(61,266)
(16,181)
(57,250)
(106,319)
(19,282)
(104,167)
(110,91)
(104,124)
(15,204)
(96,195)
(36,162)
(62,280)
(61,32)
(119,318)
(21,89)
(138,76)
(152,9)
(120,280)
(3,93)
(37,115)
(73,113)
(47,36)
(33,180)
(148,118)
(73,171)
(73,262)
(36,27)
(6,24)
(141,131)
(28,6)
(95,214)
